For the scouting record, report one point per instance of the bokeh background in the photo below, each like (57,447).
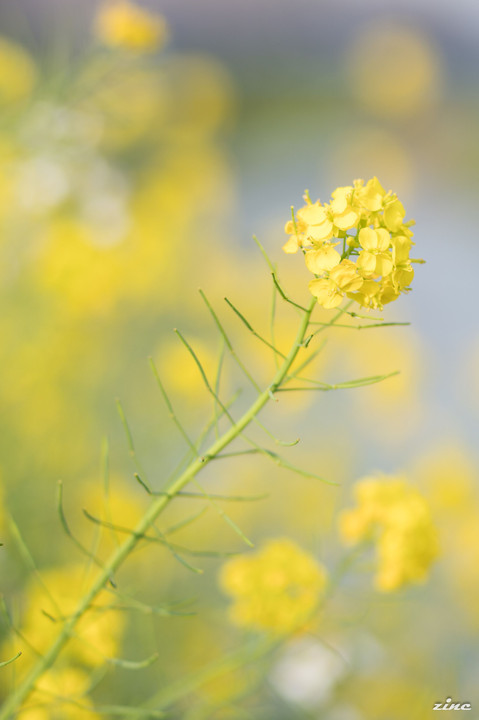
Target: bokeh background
(127,182)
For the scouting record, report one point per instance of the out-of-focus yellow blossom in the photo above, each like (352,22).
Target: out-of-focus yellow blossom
(394,69)
(450,475)
(276,589)
(120,23)
(374,266)
(68,684)
(17,72)
(122,506)
(179,371)
(397,517)
(98,633)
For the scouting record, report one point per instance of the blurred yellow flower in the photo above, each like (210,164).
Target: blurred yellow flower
(394,70)
(122,506)
(120,23)
(396,516)
(179,371)
(68,684)
(17,72)
(278,588)
(98,633)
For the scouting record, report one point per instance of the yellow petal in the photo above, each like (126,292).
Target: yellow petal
(384,264)
(394,215)
(319,261)
(403,277)
(314,214)
(384,239)
(291,246)
(372,195)
(388,294)
(340,197)
(347,219)
(368,239)
(346,277)
(326,293)
(323,231)
(367,262)
(401,247)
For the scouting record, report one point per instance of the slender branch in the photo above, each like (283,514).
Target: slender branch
(7,662)
(171,411)
(253,331)
(363,327)
(283,294)
(120,554)
(228,342)
(348,384)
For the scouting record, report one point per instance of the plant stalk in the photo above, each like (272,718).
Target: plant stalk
(23,690)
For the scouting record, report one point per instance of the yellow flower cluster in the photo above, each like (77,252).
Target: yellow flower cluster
(397,517)
(121,23)
(98,634)
(373,266)
(17,72)
(60,695)
(278,588)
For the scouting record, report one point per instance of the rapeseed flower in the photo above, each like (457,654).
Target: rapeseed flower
(374,266)
(17,72)
(396,517)
(99,632)
(60,695)
(123,24)
(276,589)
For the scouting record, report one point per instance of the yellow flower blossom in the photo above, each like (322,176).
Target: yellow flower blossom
(330,291)
(344,214)
(376,243)
(69,684)
(374,258)
(324,258)
(278,588)
(327,292)
(397,518)
(121,23)
(295,229)
(318,224)
(403,271)
(98,633)
(394,215)
(17,72)
(371,195)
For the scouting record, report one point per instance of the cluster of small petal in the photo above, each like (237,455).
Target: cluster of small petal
(397,517)
(372,264)
(121,23)
(276,589)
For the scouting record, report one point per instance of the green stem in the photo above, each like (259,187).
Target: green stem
(24,689)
